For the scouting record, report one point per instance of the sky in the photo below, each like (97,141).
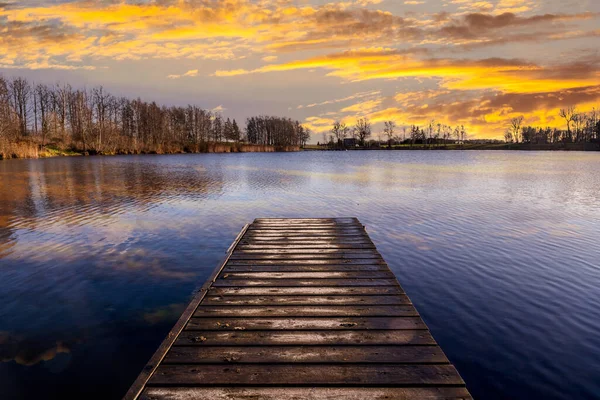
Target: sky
(475,63)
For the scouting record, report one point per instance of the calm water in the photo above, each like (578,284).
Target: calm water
(499,251)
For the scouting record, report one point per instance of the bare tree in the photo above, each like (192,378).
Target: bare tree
(339,132)
(515,127)
(20,92)
(42,96)
(568,114)
(362,130)
(388,130)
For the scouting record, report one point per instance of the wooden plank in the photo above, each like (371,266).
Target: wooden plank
(304,282)
(308,255)
(305,268)
(308,231)
(372,261)
(306,291)
(305,393)
(274,247)
(307,275)
(301,233)
(298,374)
(313,225)
(306,354)
(304,338)
(306,311)
(310,251)
(294,220)
(305,323)
(309,225)
(305,300)
(261,240)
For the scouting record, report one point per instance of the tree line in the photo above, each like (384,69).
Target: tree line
(433,133)
(95,121)
(581,127)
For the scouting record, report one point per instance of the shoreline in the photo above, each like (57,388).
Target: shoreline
(34,152)
(207,148)
(472,146)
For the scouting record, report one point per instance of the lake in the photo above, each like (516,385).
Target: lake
(499,251)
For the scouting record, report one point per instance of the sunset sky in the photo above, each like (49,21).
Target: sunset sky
(477,63)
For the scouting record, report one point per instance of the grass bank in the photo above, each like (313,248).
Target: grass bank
(31,149)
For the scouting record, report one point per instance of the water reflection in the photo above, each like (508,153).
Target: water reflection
(99,256)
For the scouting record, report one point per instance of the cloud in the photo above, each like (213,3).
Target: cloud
(67,33)
(506,75)
(364,107)
(476,25)
(190,73)
(341,100)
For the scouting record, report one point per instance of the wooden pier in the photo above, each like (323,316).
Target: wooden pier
(300,309)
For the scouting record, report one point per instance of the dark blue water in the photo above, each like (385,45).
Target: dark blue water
(499,251)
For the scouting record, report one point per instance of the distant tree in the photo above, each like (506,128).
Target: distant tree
(515,127)
(568,114)
(217,128)
(339,132)
(388,130)
(237,135)
(252,130)
(508,137)
(336,131)
(362,130)
(305,136)
(228,132)
(21,90)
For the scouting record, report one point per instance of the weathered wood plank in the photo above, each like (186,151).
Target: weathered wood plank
(292,220)
(298,374)
(307,275)
(261,240)
(305,300)
(305,268)
(300,233)
(306,291)
(306,311)
(307,231)
(305,393)
(303,282)
(312,225)
(304,338)
(306,246)
(308,255)
(372,261)
(307,354)
(309,251)
(305,323)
